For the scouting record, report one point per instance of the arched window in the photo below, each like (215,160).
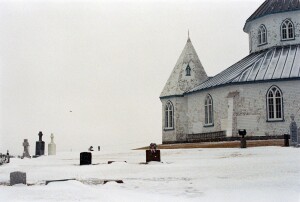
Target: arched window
(274,104)
(208,110)
(188,71)
(169,114)
(262,35)
(287,30)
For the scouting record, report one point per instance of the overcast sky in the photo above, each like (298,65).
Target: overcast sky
(91,72)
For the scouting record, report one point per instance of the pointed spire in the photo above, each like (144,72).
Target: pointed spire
(178,83)
(189,40)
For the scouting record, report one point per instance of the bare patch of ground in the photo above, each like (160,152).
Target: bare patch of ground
(231,144)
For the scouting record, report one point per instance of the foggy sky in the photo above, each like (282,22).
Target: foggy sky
(91,72)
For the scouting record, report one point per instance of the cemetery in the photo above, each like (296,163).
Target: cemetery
(190,174)
(199,174)
(268,173)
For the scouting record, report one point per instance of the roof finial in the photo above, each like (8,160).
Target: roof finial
(189,35)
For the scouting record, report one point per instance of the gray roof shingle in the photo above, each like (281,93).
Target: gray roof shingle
(275,6)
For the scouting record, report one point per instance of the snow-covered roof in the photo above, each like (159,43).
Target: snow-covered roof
(275,6)
(271,64)
(178,82)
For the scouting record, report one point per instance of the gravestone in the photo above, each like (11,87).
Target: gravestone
(293,131)
(40,145)
(243,133)
(152,154)
(17,178)
(26,149)
(98,148)
(8,156)
(298,135)
(286,138)
(85,158)
(52,146)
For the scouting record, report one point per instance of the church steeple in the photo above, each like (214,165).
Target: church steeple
(189,40)
(187,73)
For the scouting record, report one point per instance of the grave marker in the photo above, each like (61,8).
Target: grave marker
(26,149)
(152,154)
(85,158)
(293,132)
(286,140)
(52,146)
(40,145)
(17,178)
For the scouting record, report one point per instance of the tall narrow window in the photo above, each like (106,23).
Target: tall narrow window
(262,35)
(274,104)
(208,111)
(169,114)
(188,71)
(287,30)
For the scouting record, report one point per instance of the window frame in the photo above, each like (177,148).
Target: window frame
(288,30)
(208,111)
(188,70)
(262,35)
(169,116)
(273,115)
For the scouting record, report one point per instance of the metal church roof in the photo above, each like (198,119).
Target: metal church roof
(275,6)
(271,64)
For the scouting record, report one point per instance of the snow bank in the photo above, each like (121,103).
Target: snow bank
(252,174)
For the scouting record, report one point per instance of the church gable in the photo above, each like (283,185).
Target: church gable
(187,73)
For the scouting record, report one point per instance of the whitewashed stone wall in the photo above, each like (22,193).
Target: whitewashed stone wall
(180,121)
(249,110)
(272,23)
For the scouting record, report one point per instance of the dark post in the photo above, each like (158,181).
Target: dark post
(8,157)
(98,148)
(286,140)
(243,133)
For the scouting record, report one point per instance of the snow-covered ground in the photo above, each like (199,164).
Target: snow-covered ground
(252,174)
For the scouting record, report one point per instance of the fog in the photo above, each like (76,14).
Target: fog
(91,72)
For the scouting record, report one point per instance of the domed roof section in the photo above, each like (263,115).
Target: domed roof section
(275,6)
(179,81)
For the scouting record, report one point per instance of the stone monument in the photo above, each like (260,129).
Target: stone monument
(293,132)
(52,146)
(40,146)
(17,178)
(26,149)
(152,154)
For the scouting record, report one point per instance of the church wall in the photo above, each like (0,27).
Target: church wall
(178,134)
(249,109)
(273,23)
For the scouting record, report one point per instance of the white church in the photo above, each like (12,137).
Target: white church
(259,93)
